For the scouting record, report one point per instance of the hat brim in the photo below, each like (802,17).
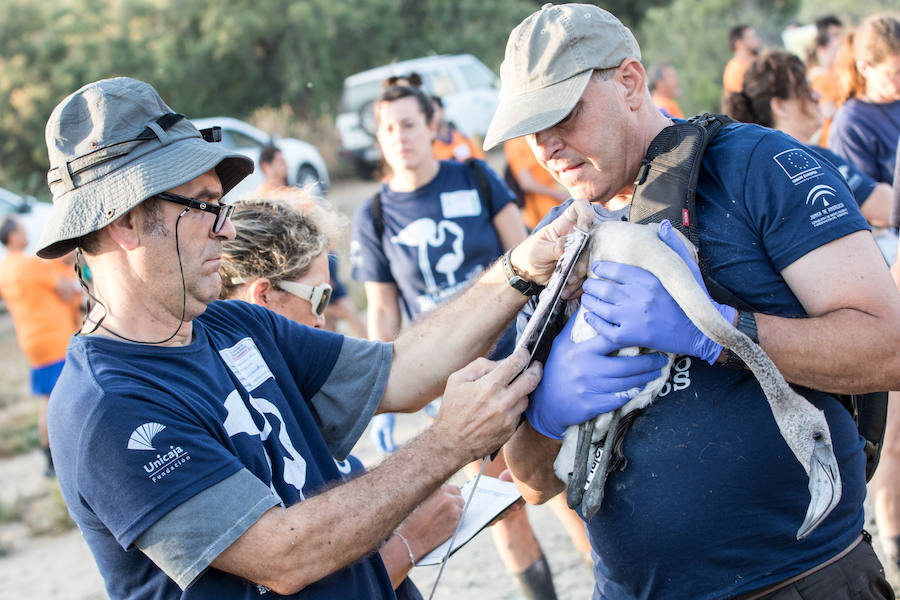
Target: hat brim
(96,204)
(535,110)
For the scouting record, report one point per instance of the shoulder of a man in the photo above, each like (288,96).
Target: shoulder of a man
(235,312)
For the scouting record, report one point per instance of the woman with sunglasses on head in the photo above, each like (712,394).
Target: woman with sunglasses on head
(866,128)
(279,259)
(429,231)
(776,94)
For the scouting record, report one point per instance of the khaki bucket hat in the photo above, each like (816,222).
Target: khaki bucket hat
(113,144)
(549,60)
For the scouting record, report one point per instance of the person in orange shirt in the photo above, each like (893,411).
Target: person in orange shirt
(664,88)
(542,192)
(745,44)
(823,77)
(44,300)
(449,143)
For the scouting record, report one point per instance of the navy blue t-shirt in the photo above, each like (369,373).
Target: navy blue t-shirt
(866,134)
(861,185)
(137,430)
(709,504)
(437,239)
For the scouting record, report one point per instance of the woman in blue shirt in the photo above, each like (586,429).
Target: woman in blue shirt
(776,94)
(866,128)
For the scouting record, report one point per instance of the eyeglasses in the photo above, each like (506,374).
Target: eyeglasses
(318,295)
(222,211)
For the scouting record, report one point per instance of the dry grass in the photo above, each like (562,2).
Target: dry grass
(18,409)
(41,508)
(42,513)
(13,368)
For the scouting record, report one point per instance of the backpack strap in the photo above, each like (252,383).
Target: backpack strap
(666,187)
(869,412)
(482,184)
(377,216)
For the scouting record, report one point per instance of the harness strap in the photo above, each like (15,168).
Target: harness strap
(756,595)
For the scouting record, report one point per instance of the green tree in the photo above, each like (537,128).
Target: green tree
(213,57)
(692,35)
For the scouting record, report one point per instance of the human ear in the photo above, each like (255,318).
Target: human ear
(123,231)
(260,292)
(779,110)
(633,77)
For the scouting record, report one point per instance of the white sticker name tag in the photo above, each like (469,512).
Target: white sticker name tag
(461,203)
(247,364)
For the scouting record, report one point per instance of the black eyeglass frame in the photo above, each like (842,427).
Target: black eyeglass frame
(221,211)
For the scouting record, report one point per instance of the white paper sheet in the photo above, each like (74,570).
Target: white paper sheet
(491,498)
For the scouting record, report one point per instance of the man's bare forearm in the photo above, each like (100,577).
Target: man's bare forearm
(294,547)
(849,343)
(448,339)
(530,456)
(823,354)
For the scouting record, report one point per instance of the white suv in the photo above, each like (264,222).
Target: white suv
(29,212)
(305,164)
(468,89)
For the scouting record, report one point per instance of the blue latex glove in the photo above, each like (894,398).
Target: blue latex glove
(580,382)
(631,307)
(381,432)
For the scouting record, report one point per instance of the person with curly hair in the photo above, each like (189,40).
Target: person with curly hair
(866,128)
(776,94)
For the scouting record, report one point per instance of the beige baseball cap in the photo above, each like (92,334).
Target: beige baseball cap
(549,60)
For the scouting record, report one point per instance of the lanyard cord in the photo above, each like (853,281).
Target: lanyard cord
(462,515)
(79,259)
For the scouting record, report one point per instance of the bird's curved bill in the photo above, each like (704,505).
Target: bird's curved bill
(824,488)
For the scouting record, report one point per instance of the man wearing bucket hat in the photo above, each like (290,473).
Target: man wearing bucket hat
(710,500)
(197,440)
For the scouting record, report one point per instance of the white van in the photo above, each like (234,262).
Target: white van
(468,89)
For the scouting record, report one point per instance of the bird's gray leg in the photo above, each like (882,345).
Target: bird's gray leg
(575,489)
(593,497)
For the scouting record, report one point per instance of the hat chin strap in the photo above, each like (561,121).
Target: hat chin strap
(98,324)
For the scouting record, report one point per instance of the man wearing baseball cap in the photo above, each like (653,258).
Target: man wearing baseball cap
(709,503)
(196,440)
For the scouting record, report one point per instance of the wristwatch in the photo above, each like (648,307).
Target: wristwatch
(746,324)
(528,288)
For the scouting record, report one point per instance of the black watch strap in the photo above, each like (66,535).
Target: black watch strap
(746,324)
(528,288)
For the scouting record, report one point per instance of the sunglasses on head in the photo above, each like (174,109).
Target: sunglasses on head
(317,295)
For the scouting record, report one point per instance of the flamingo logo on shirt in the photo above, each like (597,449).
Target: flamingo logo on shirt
(239,420)
(424,233)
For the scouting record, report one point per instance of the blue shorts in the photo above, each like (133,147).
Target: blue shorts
(44,378)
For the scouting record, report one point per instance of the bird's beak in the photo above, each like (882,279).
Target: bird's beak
(824,488)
